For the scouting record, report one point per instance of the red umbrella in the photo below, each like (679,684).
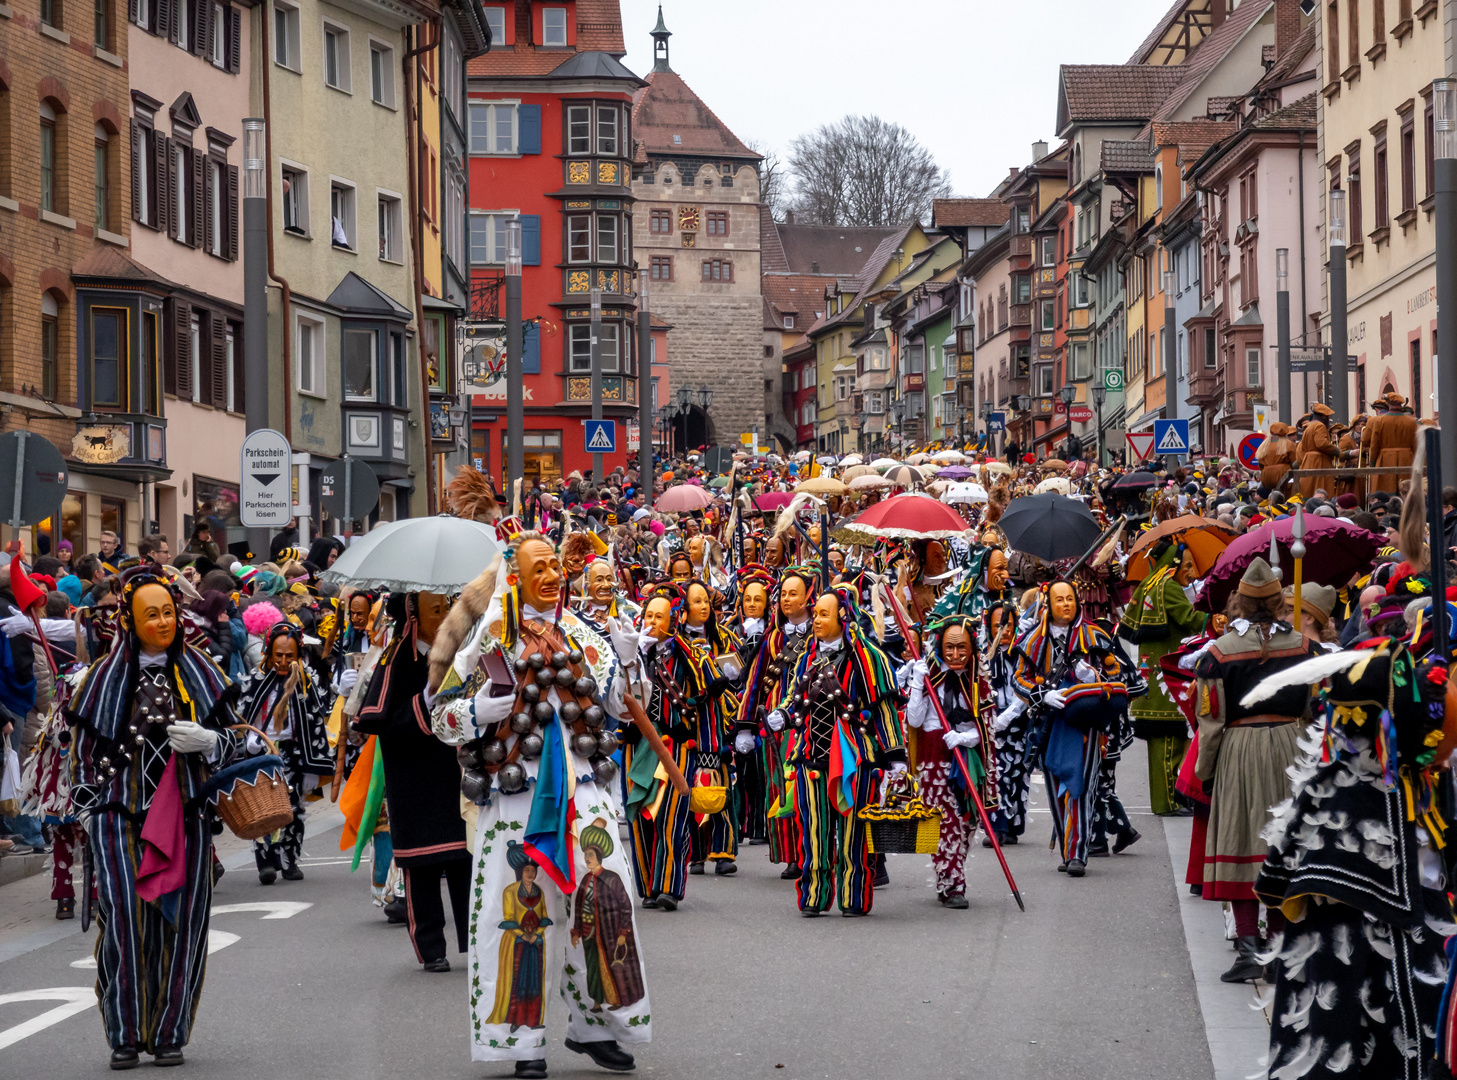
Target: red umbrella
(774,500)
(682,499)
(910,517)
(1334,551)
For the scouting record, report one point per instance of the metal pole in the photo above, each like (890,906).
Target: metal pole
(1444,121)
(1171,354)
(1336,237)
(1282,331)
(515,343)
(348,496)
(596,295)
(644,384)
(1438,568)
(1098,406)
(255,298)
(22,436)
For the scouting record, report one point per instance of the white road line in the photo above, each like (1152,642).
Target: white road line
(74,999)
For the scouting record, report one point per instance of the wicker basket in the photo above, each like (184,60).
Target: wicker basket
(901,824)
(255,808)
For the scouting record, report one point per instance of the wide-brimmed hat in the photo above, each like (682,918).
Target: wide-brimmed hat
(1394,400)
(1320,408)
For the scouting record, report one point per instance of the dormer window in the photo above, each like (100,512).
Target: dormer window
(554,27)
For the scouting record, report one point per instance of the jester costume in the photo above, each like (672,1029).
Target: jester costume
(150,830)
(715,836)
(540,785)
(841,725)
(1158,617)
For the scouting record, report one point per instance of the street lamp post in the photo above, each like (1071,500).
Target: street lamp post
(1171,350)
(515,368)
(1336,238)
(1282,331)
(1099,394)
(1067,395)
(255,296)
(644,379)
(684,395)
(596,298)
(897,412)
(1444,123)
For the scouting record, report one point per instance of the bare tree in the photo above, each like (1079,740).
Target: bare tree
(864,171)
(771,179)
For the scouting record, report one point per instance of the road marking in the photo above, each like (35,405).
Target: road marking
(74,999)
(216,939)
(277,909)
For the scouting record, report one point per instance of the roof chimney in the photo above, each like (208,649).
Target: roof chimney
(1287,25)
(1039,150)
(789,217)
(814,267)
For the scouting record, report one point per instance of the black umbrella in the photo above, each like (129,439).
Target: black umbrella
(1049,526)
(1135,481)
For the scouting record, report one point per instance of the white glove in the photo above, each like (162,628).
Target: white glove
(953,739)
(254,744)
(189,738)
(776,721)
(490,711)
(1053,699)
(1085,671)
(1006,716)
(346,681)
(744,742)
(624,638)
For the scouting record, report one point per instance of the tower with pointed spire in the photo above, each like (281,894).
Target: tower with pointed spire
(695,187)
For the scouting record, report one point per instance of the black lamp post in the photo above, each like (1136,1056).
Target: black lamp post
(1099,395)
(1068,394)
(897,413)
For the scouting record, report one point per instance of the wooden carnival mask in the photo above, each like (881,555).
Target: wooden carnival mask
(756,601)
(793,598)
(700,604)
(657,618)
(956,648)
(154,617)
(600,585)
(1062,602)
(827,623)
(540,571)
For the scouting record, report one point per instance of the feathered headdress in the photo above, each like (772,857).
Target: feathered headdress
(472,495)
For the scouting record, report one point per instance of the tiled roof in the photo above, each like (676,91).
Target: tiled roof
(1146,47)
(1112,92)
(1212,51)
(841,252)
(109,262)
(1297,116)
(961,213)
(803,294)
(772,259)
(599,29)
(880,258)
(1127,155)
(1192,137)
(1286,65)
(669,118)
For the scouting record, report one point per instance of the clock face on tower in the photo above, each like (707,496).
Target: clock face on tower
(688,217)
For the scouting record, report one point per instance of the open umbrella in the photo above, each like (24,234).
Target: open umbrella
(881,464)
(821,485)
(856,470)
(1206,538)
(804,455)
(1334,551)
(910,516)
(869,482)
(430,554)
(955,472)
(774,500)
(949,457)
(682,499)
(1135,481)
(719,482)
(827,459)
(1049,526)
(918,459)
(998,468)
(905,475)
(851,459)
(965,494)
(1060,484)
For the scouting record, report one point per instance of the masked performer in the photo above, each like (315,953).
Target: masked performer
(601,601)
(750,623)
(1063,659)
(1245,751)
(421,779)
(1009,729)
(764,691)
(714,836)
(923,579)
(841,722)
(148,720)
(532,695)
(1157,619)
(951,664)
(284,700)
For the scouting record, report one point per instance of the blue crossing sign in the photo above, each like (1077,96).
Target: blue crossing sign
(600,436)
(996,422)
(1171,438)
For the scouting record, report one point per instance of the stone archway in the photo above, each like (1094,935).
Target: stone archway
(693,430)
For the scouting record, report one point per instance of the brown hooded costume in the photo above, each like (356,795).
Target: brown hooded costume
(1393,443)
(1277,455)
(1317,450)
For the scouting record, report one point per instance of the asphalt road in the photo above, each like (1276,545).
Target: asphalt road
(1093,981)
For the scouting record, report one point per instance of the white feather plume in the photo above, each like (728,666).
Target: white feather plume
(1306,673)
(1306,1057)
(1341,1060)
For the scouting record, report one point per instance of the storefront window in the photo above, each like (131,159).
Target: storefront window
(73,522)
(542,456)
(216,502)
(113,520)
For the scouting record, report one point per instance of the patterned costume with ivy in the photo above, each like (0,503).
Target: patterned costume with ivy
(562,787)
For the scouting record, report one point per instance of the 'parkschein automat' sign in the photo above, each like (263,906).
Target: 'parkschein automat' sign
(266,494)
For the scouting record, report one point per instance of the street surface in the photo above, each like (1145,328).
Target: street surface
(1094,981)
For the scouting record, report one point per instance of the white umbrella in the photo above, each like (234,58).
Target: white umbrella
(949,457)
(852,459)
(431,554)
(869,482)
(884,463)
(918,459)
(905,475)
(1060,484)
(827,459)
(804,455)
(965,493)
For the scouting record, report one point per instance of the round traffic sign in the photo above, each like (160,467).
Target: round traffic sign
(1080,413)
(1248,447)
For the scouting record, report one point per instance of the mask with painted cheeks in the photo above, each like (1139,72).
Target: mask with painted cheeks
(755,601)
(827,623)
(154,617)
(600,585)
(1062,603)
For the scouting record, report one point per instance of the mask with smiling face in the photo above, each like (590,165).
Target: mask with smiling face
(154,617)
(1062,603)
(827,624)
(540,571)
(600,585)
(793,598)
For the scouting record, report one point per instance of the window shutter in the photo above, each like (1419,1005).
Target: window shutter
(239,404)
(207,361)
(201,25)
(528,129)
(207,200)
(161,204)
(131,11)
(181,351)
(137,150)
(199,185)
(531,349)
(169,352)
(234,35)
(167,19)
(531,239)
(230,218)
(220,360)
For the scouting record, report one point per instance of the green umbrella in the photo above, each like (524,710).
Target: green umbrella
(719,482)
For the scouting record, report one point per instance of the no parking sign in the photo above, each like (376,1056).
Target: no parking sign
(1248,447)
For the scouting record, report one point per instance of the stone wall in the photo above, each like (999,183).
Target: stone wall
(718,342)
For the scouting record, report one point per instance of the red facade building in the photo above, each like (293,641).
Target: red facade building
(550,118)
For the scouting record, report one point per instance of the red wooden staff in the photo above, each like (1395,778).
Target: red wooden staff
(955,750)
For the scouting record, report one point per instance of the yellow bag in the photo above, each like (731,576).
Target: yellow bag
(708,798)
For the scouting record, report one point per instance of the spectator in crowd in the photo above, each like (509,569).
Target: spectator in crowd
(111,549)
(154,549)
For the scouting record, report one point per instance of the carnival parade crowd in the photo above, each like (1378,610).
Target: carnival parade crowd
(827,660)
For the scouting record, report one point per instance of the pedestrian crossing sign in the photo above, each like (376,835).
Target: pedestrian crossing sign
(1171,438)
(600,436)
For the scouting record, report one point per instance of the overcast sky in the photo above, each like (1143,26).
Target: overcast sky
(975,80)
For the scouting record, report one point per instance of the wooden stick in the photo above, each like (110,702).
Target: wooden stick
(650,733)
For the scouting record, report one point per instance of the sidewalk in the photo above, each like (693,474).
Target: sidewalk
(28,914)
(1237,1029)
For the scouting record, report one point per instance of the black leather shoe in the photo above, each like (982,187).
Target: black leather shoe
(1007,839)
(848,914)
(882,875)
(1098,850)
(607,1054)
(986,841)
(1196,889)
(1062,867)
(291,872)
(667,902)
(396,912)
(695,868)
(124,1057)
(167,1055)
(437,965)
(1076,868)
(66,907)
(1246,968)
(789,873)
(218,870)
(535,1070)
(267,876)
(725,867)
(650,902)
(956,902)
(1126,840)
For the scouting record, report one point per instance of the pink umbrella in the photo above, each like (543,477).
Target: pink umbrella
(774,500)
(910,516)
(682,499)
(1334,550)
